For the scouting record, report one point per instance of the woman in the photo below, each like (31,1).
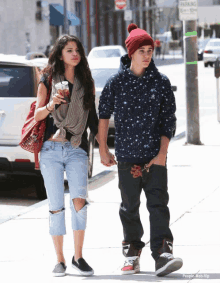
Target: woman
(65,144)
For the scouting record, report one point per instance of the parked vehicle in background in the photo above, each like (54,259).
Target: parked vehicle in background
(201,47)
(211,52)
(102,69)
(19,80)
(108,51)
(33,55)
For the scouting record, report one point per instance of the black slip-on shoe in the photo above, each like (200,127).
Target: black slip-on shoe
(82,267)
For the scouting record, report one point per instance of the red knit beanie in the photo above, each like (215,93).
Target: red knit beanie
(137,38)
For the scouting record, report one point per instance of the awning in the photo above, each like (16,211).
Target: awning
(57,16)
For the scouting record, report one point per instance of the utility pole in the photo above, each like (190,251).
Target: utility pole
(84,26)
(92,23)
(188,13)
(192,93)
(66,24)
(134,11)
(141,13)
(150,18)
(127,22)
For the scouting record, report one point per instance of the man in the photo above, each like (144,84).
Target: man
(144,112)
(158,47)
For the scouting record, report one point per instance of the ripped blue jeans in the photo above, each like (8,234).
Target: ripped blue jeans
(55,158)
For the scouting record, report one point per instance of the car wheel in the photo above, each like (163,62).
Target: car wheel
(40,188)
(91,153)
(211,64)
(206,65)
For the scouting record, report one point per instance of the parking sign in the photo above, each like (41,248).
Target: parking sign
(188,10)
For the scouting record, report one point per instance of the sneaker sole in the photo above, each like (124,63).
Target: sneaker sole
(129,272)
(58,274)
(85,273)
(170,267)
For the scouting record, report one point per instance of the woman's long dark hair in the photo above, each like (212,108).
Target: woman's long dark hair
(56,66)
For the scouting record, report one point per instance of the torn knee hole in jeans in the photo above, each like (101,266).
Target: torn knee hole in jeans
(79,204)
(57,211)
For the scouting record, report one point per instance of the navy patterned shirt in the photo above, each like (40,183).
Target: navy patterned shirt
(144,110)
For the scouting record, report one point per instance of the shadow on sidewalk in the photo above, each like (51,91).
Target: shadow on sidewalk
(150,277)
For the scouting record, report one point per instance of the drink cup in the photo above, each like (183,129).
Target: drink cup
(63,89)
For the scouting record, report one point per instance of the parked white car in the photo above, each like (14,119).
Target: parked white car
(19,80)
(108,51)
(211,52)
(102,69)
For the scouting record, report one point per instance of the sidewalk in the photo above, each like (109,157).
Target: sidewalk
(26,249)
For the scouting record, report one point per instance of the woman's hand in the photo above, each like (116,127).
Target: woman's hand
(57,99)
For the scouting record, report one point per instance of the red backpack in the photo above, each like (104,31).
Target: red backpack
(32,134)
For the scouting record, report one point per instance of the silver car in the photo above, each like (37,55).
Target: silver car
(211,52)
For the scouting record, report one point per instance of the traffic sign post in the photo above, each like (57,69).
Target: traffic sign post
(188,14)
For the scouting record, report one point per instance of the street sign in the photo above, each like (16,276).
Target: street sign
(188,10)
(128,15)
(120,4)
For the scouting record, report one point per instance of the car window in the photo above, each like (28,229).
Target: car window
(16,81)
(105,53)
(214,43)
(101,76)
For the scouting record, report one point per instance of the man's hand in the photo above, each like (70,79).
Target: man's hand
(160,159)
(107,158)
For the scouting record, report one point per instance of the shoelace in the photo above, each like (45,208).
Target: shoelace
(167,255)
(130,260)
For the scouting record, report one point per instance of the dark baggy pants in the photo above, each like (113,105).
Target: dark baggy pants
(154,184)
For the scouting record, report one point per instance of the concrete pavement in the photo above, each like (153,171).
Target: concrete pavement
(26,249)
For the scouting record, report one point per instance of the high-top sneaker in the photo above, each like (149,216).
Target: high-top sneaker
(132,259)
(166,263)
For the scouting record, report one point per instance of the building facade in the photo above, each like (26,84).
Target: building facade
(30,25)
(25,25)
